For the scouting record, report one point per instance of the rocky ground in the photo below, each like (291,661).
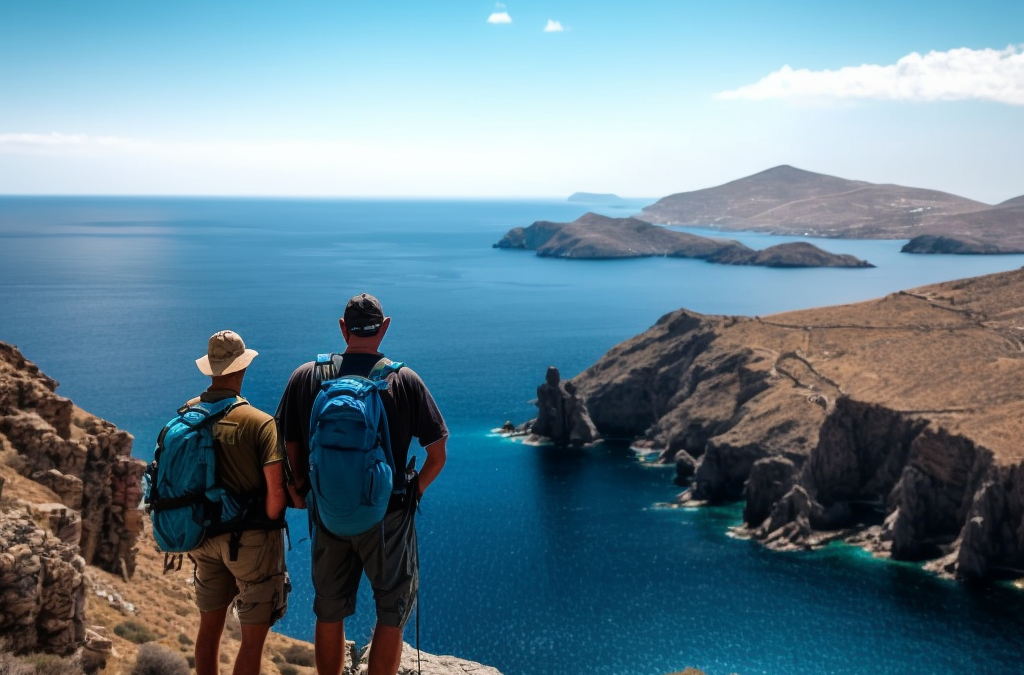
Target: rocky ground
(896,424)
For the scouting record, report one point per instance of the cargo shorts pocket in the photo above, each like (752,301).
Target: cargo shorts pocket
(264,602)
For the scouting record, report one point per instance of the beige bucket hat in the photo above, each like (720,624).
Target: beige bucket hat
(225,354)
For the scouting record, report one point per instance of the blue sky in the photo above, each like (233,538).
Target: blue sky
(470,98)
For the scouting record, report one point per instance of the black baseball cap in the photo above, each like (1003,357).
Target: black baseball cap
(363,315)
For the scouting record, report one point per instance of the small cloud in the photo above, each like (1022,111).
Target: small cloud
(500,14)
(553,26)
(956,75)
(58,141)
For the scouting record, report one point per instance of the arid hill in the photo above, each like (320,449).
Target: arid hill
(896,423)
(787,200)
(594,237)
(999,229)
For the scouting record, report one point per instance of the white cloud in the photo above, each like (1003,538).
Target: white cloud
(55,141)
(500,15)
(553,26)
(959,74)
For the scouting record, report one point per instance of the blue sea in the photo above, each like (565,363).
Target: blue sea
(533,561)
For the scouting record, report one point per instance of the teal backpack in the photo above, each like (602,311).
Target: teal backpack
(183,497)
(352,472)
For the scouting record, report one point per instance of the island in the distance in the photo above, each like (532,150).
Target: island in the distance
(594,198)
(596,237)
(785,200)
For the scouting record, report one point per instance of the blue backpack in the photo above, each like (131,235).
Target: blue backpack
(352,471)
(183,497)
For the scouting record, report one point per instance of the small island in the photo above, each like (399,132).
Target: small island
(596,237)
(594,198)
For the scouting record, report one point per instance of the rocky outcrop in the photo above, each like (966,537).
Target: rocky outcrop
(562,417)
(42,586)
(594,237)
(956,244)
(86,461)
(895,424)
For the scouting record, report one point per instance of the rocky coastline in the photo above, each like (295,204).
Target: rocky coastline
(596,237)
(895,424)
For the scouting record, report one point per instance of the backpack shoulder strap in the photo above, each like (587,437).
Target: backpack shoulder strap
(383,368)
(326,366)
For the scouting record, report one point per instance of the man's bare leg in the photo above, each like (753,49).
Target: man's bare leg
(250,653)
(211,626)
(329,647)
(385,651)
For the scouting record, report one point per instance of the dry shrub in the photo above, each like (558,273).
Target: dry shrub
(156,659)
(135,632)
(38,664)
(300,655)
(12,665)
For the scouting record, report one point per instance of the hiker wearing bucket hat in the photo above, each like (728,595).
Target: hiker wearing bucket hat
(386,552)
(246,567)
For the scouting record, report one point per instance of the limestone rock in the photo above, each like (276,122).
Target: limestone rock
(42,588)
(562,417)
(86,461)
(427,664)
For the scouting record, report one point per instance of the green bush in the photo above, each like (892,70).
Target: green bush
(135,632)
(156,659)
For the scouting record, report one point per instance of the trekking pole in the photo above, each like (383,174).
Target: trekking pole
(411,494)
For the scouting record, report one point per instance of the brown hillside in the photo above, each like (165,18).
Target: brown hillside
(898,422)
(787,200)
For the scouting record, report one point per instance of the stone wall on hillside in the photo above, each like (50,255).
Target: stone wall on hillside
(86,461)
(42,588)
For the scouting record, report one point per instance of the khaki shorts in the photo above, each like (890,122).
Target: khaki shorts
(257,582)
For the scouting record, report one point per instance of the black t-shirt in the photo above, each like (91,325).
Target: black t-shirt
(410,408)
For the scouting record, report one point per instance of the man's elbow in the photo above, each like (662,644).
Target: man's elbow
(438,450)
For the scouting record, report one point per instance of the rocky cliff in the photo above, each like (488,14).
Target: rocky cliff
(84,460)
(897,424)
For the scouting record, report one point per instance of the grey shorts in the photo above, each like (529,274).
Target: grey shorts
(338,563)
(256,582)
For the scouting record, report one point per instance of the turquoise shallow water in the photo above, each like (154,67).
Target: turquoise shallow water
(533,561)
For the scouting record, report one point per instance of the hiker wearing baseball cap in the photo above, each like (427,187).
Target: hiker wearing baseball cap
(246,567)
(387,551)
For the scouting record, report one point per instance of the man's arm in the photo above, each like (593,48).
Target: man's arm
(275,502)
(437,454)
(299,463)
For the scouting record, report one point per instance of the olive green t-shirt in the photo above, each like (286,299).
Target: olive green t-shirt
(246,442)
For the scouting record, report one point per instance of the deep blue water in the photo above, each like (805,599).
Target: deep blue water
(532,561)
